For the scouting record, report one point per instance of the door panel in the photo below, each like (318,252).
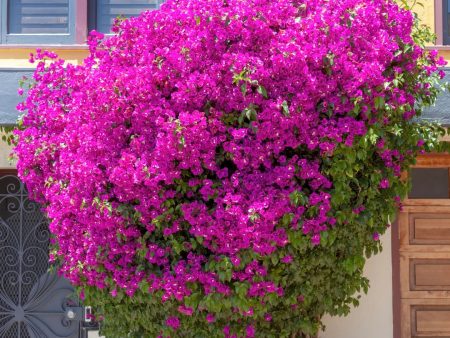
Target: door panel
(33,302)
(424,275)
(429,274)
(425,318)
(429,228)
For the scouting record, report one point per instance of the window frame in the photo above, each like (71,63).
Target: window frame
(92,23)
(82,19)
(441,22)
(44,38)
(92,15)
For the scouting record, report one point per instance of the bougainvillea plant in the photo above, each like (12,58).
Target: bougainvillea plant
(225,167)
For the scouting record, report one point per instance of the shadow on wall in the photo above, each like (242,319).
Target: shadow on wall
(373,318)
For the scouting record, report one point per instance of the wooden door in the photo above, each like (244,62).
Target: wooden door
(424,252)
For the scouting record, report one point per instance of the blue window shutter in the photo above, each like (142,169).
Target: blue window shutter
(38,21)
(37,17)
(107,10)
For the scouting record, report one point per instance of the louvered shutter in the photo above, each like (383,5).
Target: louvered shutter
(39,21)
(107,10)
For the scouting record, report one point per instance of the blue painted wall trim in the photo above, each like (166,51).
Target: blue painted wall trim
(9,83)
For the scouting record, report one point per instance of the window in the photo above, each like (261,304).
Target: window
(103,12)
(63,21)
(442,21)
(430,183)
(36,21)
(446,22)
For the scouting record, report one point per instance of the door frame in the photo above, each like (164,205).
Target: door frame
(423,161)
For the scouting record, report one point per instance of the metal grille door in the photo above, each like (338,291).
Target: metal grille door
(33,302)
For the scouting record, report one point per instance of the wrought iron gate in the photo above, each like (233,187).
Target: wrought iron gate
(34,303)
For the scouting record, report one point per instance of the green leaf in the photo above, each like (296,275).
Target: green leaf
(274,259)
(244,88)
(285,109)
(379,102)
(261,90)
(324,238)
(241,289)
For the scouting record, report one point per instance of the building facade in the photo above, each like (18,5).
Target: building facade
(410,279)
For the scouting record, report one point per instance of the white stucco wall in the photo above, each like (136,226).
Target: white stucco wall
(374,317)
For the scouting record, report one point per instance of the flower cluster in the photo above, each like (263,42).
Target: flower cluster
(192,157)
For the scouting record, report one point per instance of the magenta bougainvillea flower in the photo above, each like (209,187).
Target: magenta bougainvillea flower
(215,156)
